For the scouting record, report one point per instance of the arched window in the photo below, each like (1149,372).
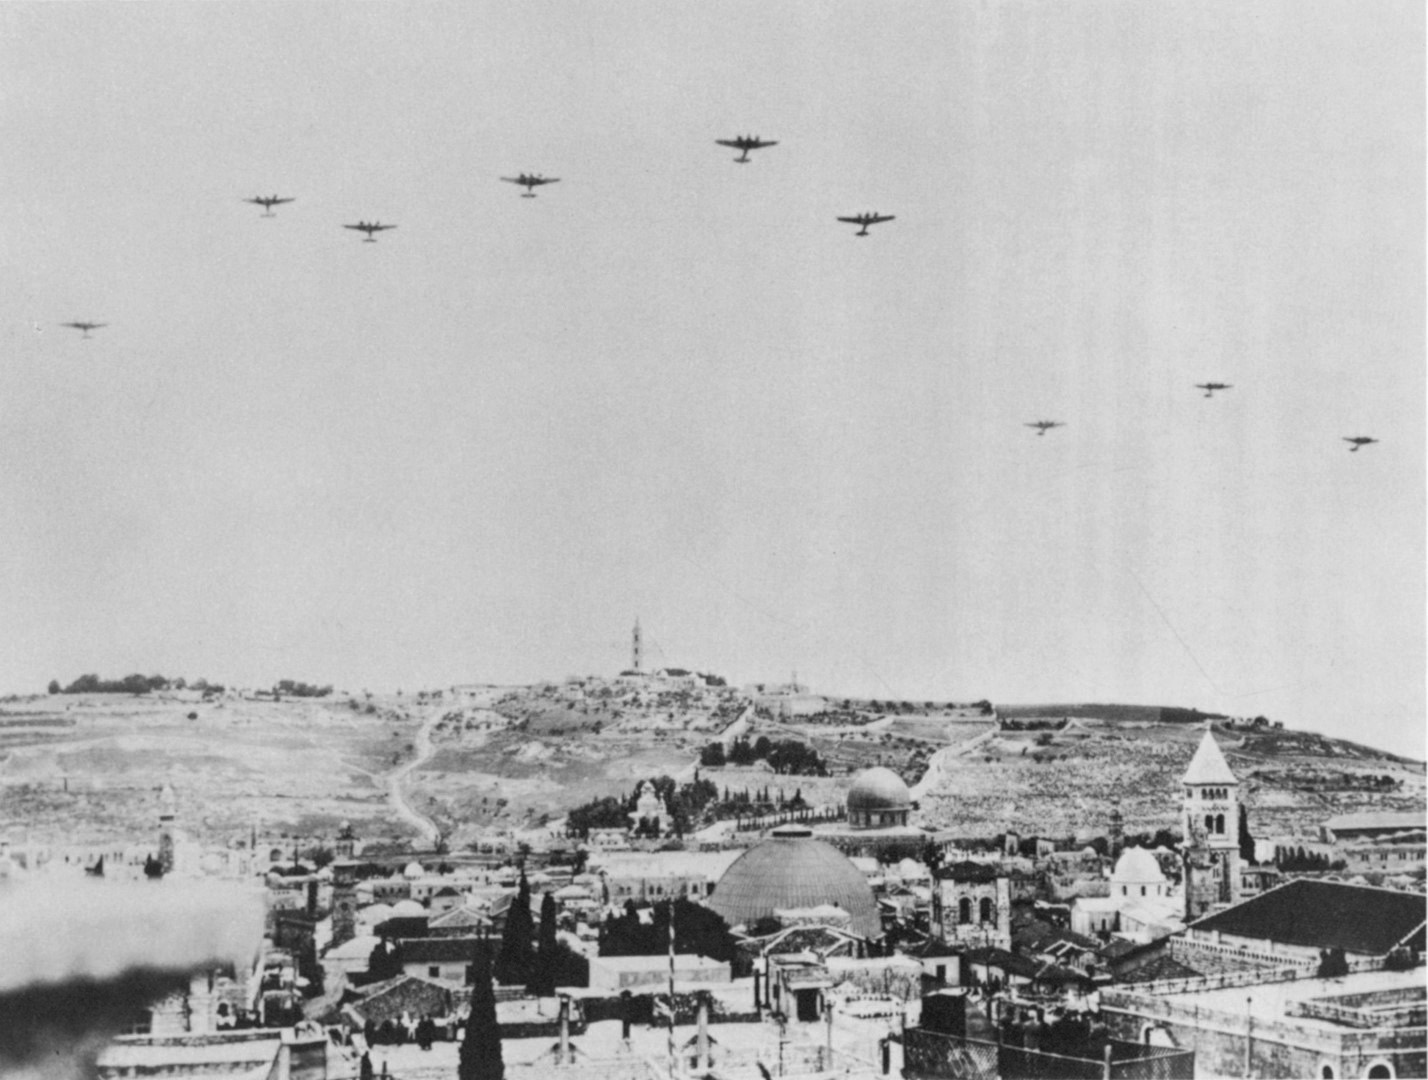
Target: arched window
(989,913)
(1209,822)
(1380,1070)
(964,910)
(1220,824)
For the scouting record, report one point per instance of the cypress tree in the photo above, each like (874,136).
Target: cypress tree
(481,1048)
(513,966)
(543,971)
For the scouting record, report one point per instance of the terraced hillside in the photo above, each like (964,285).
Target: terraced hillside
(464,760)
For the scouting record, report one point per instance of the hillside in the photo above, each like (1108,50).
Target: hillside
(465,760)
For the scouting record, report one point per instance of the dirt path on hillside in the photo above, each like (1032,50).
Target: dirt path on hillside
(397,797)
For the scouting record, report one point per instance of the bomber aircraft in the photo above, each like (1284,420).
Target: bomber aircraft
(267,202)
(1043,426)
(85,326)
(745,143)
(1211,387)
(1358,441)
(531,181)
(369,228)
(865,220)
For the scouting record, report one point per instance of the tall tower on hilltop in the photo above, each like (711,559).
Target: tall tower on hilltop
(1210,824)
(168,812)
(637,653)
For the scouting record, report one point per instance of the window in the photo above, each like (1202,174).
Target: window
(434,970)
(1142,890)
(989,913)
(964,910)
(1220,824)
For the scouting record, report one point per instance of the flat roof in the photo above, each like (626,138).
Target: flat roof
(658,962)
(1266,1001)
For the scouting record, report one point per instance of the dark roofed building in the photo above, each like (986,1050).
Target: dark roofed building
(404,995)
(440,957)
(1301,919)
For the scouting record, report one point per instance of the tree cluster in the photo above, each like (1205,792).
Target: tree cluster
(786,756)
(697,929)
(1299,861)
(130,684)
(292,688)
(687,805)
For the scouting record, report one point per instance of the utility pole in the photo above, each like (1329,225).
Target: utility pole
(637,650)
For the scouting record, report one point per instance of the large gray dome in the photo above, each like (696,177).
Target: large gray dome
(879,789)
(795,872)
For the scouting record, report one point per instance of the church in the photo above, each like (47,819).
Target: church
(1210,819)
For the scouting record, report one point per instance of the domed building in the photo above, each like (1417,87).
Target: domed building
(879,805)
(1138,874)
(792,870)
(878,800)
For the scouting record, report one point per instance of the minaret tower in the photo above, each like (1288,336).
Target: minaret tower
(1210,824)
(637,649)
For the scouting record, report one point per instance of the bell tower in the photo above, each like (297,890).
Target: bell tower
(1210,816)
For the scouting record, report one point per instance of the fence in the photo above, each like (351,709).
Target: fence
(929,1055)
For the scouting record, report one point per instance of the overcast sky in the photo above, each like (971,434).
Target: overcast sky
(676,387)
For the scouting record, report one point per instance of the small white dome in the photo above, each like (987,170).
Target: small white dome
(1137,866)
(407,909)
(413,871)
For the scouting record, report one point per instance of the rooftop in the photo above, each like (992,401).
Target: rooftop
(1268,1001)
(1376,819)
(1325,915)
(439,950)
(1209,766)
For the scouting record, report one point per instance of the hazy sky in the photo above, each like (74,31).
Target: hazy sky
(676,387)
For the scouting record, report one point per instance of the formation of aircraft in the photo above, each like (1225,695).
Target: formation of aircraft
(742,143)
(865,220)
(745,143)
(531,181)
(267,202)
(369,228)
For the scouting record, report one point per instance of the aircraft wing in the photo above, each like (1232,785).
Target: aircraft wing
(880,217)
(733,144)
(761,145)
(852,220)
(379,228)
(359,228)
(277,201)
